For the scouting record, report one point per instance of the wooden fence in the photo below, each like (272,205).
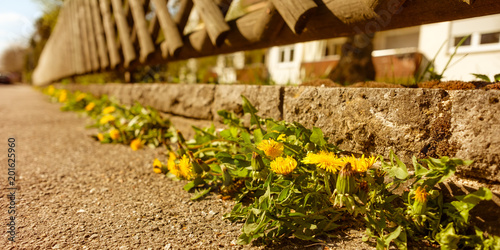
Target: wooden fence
(100,35)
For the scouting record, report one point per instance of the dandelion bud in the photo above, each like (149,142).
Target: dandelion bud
(257,163)
(181,137)
(259,169)
(203,165)
(363,191)
(346,183)
(227,179)
(420,202)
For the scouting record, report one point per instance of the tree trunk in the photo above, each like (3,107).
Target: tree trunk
(355,64)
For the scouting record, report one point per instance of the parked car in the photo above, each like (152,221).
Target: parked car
(5,79)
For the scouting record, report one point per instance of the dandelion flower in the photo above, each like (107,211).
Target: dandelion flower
(157,166)
(108,110)
(186,169)
(90,106)
(107,118)
(114,134)
(172,167)
(100,137)
(271,148)
(325,160)
(420,204)
(283,166)
(362,164)
(80,97)
(63,96)
(136,144)
(282,137)
(421,195)
(51,90)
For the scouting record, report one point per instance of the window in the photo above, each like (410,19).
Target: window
(466,42)
(332,48)
(282,55)
(489,38)
(476,42)
(286,54)
(483,32)
(228,61)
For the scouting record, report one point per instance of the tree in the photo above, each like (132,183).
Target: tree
(12,61)
(355,64)
(43,28)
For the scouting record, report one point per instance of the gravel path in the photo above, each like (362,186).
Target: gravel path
(74,193)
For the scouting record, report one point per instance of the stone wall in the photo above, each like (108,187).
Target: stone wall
(421,122)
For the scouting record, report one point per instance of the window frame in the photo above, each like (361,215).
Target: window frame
(475,45)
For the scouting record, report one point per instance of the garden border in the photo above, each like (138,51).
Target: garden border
(421,122)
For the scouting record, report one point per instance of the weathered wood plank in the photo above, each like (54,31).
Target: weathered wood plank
(296,13)
(84,35)
(356,11)
(141,26)
(67,58)
(215,25)
(94,57)
(269,24)
(169,27)
(78,48)
(185,7)
(123,32)
(109,31)
(99,33)
(154,28)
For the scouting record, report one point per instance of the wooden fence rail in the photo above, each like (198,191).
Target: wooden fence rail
(99,35)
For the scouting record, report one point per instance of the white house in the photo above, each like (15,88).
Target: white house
(398,49)
(480,52)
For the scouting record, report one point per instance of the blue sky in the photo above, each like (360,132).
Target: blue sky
(16,21)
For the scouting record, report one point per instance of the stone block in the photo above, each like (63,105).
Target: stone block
(188,100)
(267,100)
(475,126)
(369,120)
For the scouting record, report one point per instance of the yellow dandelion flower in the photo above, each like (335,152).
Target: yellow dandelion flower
(271,148)
(283,166)
(325,160)
(172,167)
(51,90)
(108,110)
(186,168)
(107,118)
(80,97)
(157,166)
(282,137)
(90,106)
(421,195)
(114,134)
(360,165)
(136,144)
(63,96)
(100,137)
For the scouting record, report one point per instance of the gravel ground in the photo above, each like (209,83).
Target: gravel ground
(74,193)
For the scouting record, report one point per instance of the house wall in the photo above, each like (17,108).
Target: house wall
(288,71)
(479,59)
(227,73)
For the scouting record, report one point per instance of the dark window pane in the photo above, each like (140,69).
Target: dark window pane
(291,55)
(459,38)
(282,56)
(490,38)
